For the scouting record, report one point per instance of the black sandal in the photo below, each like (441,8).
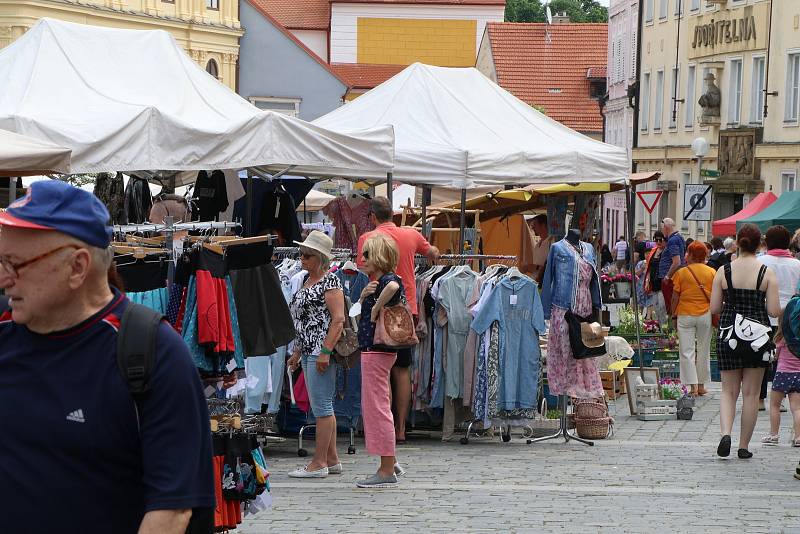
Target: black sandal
(724,448)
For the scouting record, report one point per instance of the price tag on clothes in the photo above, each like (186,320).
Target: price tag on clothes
(347,285)
(355,309)
(231,366)
(252,381)
(513,299)
(277,207)
(210,390)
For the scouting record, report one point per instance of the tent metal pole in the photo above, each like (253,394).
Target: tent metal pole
(630,191)
(12,190)
(389,185)
(425,194)
(462,221)
(248,216)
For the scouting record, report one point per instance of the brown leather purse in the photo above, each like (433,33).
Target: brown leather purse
(395,329)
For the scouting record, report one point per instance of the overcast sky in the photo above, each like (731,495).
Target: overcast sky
(604,2)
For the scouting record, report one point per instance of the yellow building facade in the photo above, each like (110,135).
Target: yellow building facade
(208,30)
(750,51)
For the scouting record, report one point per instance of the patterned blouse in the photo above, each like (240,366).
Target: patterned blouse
(311,315)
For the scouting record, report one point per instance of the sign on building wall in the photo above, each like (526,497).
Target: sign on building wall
(728,31)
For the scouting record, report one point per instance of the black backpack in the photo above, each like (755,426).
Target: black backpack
(136,353)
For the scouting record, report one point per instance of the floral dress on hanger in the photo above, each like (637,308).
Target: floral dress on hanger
(565,374)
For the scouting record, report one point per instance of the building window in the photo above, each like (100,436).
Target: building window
(285,106)
(212,4)
(690,87)
(663,10)
(659,109)
(793,88)
(212,68)
(686,179)
(757,91)
(735,92)
(648,10)
(673,104)
(695,5)
(644,94)
(788,179)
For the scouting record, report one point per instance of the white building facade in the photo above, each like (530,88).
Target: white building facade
(622,35)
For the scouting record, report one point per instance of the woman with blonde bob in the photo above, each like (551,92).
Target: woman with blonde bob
(380,261)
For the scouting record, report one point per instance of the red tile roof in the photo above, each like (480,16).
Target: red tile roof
(364,75)
(298,14)
(439,2)
(258,5)
(596,72)
(553,72)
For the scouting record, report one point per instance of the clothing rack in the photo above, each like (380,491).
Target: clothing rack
(176,227)
(338,253)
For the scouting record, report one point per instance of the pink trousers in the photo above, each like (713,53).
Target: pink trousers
(376,402)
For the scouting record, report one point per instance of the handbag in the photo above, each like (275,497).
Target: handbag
(347,352)
(715,316)
(746,337)
(395,329)
(585,338)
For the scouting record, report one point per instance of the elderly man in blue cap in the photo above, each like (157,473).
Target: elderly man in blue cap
(79,453)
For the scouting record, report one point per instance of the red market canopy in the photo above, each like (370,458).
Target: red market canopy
(727,226)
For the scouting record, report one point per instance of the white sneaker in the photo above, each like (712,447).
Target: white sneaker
(303,472)
(398,470)
(335,469)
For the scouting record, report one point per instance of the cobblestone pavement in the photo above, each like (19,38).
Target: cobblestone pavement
(656,476)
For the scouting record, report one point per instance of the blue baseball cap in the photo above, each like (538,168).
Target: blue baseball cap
(58,206)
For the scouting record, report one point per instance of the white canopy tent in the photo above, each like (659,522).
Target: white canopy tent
(131,100)
(456,128)
(25,156)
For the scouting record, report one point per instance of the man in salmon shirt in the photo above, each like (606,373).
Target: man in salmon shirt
(409,242)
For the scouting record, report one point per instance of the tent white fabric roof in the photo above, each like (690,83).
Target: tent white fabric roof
(454,127)
(132,100)
(315,201)
(25,156)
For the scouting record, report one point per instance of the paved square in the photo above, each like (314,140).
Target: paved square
(649,477)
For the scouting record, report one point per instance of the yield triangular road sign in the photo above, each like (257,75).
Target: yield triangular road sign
(649,199)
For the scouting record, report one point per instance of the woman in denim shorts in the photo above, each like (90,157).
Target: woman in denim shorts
(318,315)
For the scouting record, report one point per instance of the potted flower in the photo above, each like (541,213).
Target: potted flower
(622,285)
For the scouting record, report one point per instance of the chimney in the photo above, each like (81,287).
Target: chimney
(561,18)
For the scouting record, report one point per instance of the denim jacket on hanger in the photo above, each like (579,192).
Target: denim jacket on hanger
(560,283)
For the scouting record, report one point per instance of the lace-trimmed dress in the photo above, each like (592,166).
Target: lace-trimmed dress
(565,374)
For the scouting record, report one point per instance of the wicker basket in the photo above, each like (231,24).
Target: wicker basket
(594,428)
(590,409)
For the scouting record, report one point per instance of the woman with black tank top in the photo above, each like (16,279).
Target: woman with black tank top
(753,294)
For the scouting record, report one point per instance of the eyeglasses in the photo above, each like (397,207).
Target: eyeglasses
(365,253)
(659,239)
(307,255)
(13,268)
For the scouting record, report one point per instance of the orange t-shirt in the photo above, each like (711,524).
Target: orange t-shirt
(409,242)
(692,301)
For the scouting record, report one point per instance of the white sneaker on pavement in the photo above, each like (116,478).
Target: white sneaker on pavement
(303,472)
(335,469)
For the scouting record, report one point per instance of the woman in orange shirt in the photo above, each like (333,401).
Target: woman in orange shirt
(690,303)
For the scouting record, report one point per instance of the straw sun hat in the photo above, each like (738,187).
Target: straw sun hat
(319,242)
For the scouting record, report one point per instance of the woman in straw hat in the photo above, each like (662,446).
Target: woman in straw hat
(318,315)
